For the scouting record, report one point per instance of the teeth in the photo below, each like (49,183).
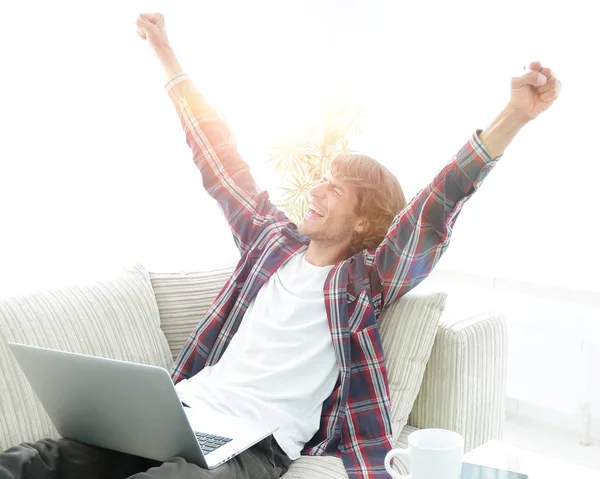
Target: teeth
(316,212)
(312,208)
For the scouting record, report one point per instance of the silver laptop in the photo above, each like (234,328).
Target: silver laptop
(131,408)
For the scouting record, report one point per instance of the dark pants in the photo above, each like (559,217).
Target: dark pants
(65,459)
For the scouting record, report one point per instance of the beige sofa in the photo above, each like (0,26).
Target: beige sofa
(446,365)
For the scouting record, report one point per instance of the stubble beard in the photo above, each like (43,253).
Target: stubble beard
(322,234)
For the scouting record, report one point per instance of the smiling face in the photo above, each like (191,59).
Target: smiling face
(352,208)
(331,218)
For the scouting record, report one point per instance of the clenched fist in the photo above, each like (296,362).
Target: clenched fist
(535,91)
(151,27)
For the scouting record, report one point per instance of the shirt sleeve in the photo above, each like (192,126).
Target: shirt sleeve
(421,232)
(226,177)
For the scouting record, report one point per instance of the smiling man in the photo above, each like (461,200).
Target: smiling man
(292,339)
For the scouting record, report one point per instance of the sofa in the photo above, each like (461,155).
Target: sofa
(446,365)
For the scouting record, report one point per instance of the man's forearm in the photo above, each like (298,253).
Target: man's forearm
(169,61)
(501,132)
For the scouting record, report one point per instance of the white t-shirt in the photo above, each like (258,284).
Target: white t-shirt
(280,366)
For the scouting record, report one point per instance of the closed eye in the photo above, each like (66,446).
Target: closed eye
(338,191)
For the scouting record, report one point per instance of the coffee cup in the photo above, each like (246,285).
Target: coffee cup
(432,454)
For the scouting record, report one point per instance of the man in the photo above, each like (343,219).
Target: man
(292,338)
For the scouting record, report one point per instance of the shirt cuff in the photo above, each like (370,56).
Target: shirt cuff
(172,82)
(480,148)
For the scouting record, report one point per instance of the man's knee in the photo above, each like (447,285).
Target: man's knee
(50,458)
(38,459)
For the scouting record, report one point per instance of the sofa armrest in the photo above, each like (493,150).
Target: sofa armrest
(465,380)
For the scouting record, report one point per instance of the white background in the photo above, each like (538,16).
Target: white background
(95,173)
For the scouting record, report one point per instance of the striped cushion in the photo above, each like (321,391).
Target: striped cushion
(115,318)
(183,298)
(408,329)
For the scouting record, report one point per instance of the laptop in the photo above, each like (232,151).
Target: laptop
(131,408)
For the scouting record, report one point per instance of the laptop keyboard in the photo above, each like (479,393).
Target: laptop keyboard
(209,442)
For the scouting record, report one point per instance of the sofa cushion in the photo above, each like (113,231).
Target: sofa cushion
(183,299)
(114,318)
(408,329)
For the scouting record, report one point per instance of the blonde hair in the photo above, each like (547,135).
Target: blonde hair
(380,197)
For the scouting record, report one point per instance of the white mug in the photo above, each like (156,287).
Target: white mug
(432,453)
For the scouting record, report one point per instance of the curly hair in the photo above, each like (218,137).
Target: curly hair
(380,196)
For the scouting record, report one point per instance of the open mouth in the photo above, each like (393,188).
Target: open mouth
(314,213)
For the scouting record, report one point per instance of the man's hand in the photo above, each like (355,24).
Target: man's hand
(534,92)
(151,27)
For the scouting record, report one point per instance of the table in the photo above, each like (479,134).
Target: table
(502,455)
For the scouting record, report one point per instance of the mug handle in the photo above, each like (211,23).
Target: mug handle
(388,462)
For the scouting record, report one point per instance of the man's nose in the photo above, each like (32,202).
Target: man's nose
(318,189)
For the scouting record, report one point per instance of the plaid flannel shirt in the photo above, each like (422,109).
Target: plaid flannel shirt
(355,423)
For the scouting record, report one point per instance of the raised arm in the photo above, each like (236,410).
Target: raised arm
(420,234)
(225,175)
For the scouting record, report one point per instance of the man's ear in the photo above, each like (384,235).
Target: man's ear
(361,225)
